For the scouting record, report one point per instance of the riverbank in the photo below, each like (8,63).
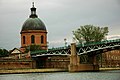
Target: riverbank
(105,69)
(19,71)
(104,75)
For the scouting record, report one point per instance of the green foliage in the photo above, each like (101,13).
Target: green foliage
(33,48)
(90,33)
(3,52)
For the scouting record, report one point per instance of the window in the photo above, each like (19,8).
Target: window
(42,39)
(23,39)
(32,39)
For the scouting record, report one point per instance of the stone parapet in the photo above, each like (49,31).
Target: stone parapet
(17,64)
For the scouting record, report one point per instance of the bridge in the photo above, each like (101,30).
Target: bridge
(82,57)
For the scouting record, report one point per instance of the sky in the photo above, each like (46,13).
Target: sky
(60,17)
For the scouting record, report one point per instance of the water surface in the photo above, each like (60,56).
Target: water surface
(104,75)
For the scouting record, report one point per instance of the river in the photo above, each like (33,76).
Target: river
(103,75)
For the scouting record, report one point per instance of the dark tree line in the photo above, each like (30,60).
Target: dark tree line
(3,52)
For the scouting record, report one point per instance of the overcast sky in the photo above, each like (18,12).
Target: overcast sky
(61,17)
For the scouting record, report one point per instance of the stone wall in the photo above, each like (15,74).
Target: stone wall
(17,64)
(59,62)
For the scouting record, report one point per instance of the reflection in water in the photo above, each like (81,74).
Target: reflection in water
(105,75)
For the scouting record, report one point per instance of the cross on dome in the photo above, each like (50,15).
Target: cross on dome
(33,4)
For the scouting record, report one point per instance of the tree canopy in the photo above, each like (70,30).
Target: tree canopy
(3,52)
(32,48)
(90,33)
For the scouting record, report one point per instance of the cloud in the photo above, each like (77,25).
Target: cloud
(113,37)
(61,17)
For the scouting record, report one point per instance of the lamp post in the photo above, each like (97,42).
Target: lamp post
(47,45)
(65,40)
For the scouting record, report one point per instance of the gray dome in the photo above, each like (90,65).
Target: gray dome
(33,24)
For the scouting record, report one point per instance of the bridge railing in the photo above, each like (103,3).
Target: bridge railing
(98,43)
(79,45)
(49,50)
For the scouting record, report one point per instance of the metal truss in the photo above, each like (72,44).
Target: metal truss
(80,50)
(98,47)
(60,52)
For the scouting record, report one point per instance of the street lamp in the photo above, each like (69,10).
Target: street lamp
(47,45)
(65,40)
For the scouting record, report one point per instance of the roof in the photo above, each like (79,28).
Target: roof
(15,51)
(33,24)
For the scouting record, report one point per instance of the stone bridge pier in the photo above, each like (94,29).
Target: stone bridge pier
(75,64)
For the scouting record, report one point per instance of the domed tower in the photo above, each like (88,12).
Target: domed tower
(33,31)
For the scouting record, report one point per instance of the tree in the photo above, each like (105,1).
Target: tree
(3,52)
(33,48)
(90,33)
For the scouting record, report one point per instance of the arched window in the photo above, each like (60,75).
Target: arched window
(23,39)
(32,39)
(42,39)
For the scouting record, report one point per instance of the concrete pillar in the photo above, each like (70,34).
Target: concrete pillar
(73,56)
(78,60)
(73,59)
(75,65)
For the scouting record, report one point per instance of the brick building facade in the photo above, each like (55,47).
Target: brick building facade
(110,59)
